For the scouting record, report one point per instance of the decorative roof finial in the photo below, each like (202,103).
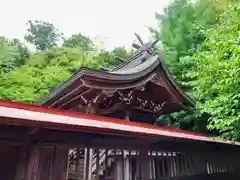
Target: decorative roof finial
(149,47)
(139,39)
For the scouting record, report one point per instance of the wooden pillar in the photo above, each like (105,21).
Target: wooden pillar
(59,164)
(201,159)
(22,166)
(152,164)
(88,163)
(118,169)
(130,165)
(77,169)
(169,166)
(126,168)
(44,163)
(174,165)
(106,163)
(32,165)
(144,162)
(153,168)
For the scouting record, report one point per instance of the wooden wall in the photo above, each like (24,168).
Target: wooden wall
(125,164)
(8,161)
(43,163)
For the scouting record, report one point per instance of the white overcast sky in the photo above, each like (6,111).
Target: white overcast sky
(114,21)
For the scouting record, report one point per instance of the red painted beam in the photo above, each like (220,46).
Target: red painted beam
(32,115)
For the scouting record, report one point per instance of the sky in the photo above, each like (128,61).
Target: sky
(111,21)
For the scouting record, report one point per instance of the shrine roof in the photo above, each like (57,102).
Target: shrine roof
(24,115)
(142,82)
(15,114)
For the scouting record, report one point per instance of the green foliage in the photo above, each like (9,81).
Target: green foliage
(112,58)
(181,30)
(117,55)
(46,69)
(200,41)
(12,54)
(22,49)
(121,52)
(78,40)
(42,34)
(218,63)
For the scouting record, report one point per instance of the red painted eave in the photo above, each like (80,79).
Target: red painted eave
(20,114)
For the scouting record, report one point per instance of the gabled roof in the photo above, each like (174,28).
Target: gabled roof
(142,82)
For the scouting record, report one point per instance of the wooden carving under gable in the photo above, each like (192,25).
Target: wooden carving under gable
(141,83)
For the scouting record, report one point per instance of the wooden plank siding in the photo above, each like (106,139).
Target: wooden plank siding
(153,165)
(44,163)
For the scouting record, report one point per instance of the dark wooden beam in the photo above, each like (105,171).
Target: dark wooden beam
(106,141)
(20,135)
(66,97)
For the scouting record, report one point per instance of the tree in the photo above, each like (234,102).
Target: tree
(42,34)
(78,40)
(182,31)
(13,54)
(218,67)
(200,45)
(121,52)
(47,69)
(22,49)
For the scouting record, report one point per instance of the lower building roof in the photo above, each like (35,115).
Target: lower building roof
(24,115)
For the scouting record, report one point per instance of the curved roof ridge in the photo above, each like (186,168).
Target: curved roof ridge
(138,70)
